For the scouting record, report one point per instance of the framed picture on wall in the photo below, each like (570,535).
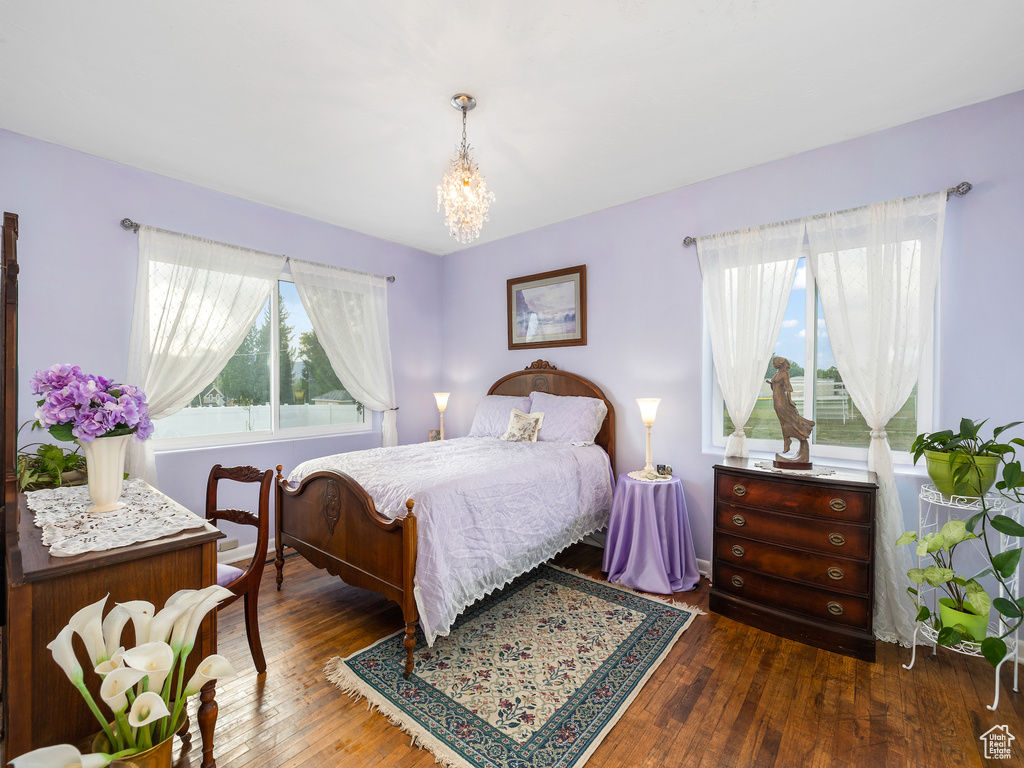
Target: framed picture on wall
(548,309)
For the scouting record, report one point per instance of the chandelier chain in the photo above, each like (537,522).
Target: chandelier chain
(465,147)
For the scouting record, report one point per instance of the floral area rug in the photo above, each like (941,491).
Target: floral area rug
(532,676)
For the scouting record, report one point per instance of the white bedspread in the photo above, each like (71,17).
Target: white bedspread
(488,510)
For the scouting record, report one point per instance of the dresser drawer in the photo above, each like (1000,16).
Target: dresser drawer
(803,499)
(821,570)
(821,604)
(819,535)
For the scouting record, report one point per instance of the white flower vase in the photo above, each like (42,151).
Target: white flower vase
(104,459)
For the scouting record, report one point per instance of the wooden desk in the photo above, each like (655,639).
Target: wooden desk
(40,706)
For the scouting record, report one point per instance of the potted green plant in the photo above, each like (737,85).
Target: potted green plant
(963,613)
(964,451)
(42,465)
(962,463)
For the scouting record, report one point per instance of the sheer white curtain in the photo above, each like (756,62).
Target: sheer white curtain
(876,269)
(349,312)
(194,302)
(747,278)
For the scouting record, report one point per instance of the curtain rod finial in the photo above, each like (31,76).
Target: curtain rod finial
(688,241)
(960,189)
(129,224)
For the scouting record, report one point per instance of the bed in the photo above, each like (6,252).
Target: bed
(455,538)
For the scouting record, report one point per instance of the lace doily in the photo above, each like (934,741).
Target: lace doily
(68,529)
(816,472)
(639,474)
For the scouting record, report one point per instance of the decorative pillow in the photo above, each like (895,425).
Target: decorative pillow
(492,414)
(569,419)
(523,427)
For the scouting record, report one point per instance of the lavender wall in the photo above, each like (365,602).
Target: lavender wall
(77,286)
(645,334)
(644,290)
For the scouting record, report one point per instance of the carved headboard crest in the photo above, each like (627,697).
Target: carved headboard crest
(540,365)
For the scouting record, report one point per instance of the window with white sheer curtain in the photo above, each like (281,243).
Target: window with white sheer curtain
(820,391)
(278,383)
(226,351)
(865,285)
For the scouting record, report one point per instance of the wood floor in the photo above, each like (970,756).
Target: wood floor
(727,695)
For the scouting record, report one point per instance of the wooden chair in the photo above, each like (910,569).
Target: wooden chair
(244,582)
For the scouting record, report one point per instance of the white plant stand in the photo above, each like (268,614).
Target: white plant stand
(933,511)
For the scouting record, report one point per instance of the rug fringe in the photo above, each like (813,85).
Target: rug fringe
(630,590)
(348,683)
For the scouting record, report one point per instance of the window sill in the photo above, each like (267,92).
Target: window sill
(182,445)
(900,468)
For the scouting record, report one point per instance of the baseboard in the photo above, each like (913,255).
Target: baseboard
(243,553)
(704,566)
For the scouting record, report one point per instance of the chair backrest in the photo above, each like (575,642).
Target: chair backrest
(261,520)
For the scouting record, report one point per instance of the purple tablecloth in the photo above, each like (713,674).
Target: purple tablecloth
(649,546)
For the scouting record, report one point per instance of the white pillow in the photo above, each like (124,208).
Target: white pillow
(493,413)
(569,419)
(523,427)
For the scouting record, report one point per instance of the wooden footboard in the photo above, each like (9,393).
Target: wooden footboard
(332,522)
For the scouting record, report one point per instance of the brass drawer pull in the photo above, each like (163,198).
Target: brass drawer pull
(739,490)
(737,581)
(837,538)
(837,504)
(835,609)
(739,520)
(836,574)
(738,550)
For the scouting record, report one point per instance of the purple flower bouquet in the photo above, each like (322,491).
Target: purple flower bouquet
(83,406)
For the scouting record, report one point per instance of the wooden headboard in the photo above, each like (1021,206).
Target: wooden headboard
(541,376)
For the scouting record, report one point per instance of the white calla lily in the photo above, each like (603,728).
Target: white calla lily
(115,686)
(113,626)
(146,708)
(141,612)
(184,634)
(64,654)
(114,662)
(216,592)
(163,623)
(213,667)
(186,630)
(152,659)
(88,624)
(60,756)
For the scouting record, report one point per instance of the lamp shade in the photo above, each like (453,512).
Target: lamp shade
(442,400)
(648,408)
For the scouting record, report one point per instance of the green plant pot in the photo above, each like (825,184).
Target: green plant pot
(976,625)
(940,470)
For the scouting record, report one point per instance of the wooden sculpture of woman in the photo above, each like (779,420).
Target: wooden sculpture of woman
(794,425)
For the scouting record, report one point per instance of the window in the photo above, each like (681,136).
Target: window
(279,382)
(840,430)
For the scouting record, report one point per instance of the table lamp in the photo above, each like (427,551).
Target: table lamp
(648,409)
(442,403)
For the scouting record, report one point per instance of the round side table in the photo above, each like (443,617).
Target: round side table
(649,546)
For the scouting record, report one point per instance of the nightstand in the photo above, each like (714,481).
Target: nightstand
(649,545)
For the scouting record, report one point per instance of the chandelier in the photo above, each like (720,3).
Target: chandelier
(463,190)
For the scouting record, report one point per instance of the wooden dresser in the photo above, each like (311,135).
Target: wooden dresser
(794,555)
(40,706)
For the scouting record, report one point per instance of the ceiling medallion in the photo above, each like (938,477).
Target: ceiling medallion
(463,190)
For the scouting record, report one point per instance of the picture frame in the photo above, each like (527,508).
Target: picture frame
(548,309)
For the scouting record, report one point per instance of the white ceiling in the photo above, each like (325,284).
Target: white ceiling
(340,110)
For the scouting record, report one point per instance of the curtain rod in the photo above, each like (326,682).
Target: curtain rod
(959,190)
(128,224)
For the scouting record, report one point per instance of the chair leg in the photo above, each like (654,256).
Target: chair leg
(252,631)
